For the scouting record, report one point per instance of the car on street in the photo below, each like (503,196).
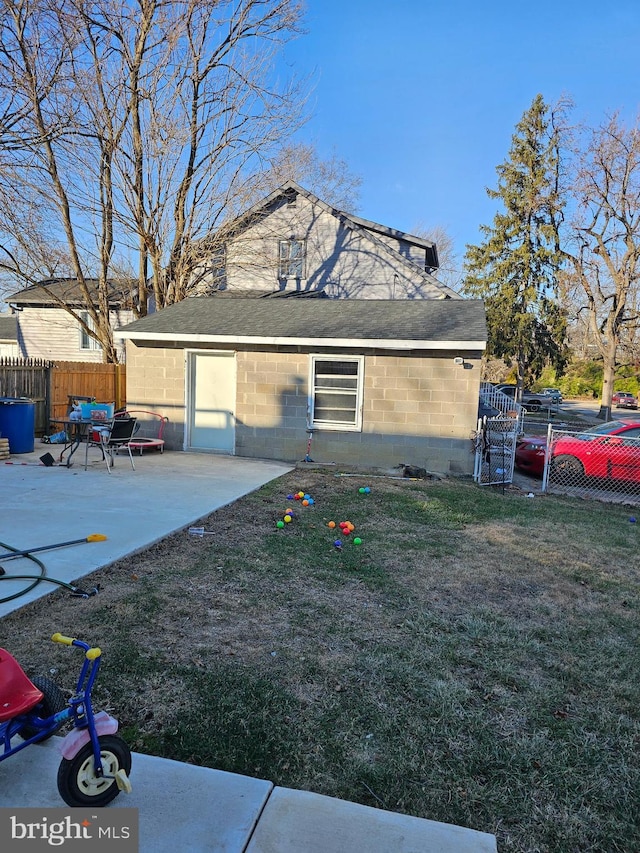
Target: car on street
(554,393)
(531,400)
(624,400)
(530,453)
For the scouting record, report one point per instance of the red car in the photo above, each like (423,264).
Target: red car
(624,400)
(530,453)
(609,451)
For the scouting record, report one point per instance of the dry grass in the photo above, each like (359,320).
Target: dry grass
(474,661)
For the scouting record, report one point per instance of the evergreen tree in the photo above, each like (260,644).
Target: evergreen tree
(515,269)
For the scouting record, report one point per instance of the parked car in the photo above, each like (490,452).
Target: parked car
(554,393)
(530,453)
(531,401)
(624,400)
(610,451)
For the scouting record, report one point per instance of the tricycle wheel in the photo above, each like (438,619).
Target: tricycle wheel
(53,701)
(78,783)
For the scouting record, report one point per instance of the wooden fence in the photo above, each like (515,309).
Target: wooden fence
(50,384)
(107,383)
(28,377)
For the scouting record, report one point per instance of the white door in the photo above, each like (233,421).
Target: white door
(212,401)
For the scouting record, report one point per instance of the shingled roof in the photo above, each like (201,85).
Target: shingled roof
(347,323)
(8,327)
(68,290)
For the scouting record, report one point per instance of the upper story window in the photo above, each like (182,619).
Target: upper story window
(86,341)
(291,259)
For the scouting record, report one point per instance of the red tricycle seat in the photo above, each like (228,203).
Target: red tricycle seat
(17,694)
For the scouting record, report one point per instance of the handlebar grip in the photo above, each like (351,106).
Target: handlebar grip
(59,638)
(92,654)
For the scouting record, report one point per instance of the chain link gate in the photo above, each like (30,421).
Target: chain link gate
(495,448)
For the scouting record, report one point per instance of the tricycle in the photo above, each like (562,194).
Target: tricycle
(96,762)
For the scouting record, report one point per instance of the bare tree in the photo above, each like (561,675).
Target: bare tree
(137,128)
(603,245)
(449,271)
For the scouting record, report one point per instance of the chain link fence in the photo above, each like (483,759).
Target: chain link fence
(601,462)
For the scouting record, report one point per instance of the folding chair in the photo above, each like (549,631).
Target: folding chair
(110,438)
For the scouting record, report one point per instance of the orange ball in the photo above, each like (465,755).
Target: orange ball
(305,503)
(351,526)
(331,524)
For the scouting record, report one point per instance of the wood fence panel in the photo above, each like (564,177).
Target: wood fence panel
(107,383)
(28,377)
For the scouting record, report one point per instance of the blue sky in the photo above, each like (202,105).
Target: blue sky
(421,98)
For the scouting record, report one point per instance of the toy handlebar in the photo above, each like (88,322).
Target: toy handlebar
(59,638)
(90,653)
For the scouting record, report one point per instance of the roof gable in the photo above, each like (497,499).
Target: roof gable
(368,230)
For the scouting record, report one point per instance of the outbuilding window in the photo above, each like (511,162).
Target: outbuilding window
(291,259)
(336,386)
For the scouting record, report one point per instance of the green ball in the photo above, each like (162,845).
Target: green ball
(357,541)
(280,524)
(361,490)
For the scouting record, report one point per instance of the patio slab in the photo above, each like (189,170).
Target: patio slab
(133,509)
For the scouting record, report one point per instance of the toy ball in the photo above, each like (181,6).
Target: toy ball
(632,520)
(306,497)
(311,501)
(296,497)
(361,490)
(287,519)
(357,540)
(351,526)
(289,497)
(305,503)
(288,511)
(338,543)
(367,490)
(279,523)
(331,524)
(346,531)
(300,494)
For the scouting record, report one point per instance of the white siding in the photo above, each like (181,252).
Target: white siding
(339,260)
(52,333)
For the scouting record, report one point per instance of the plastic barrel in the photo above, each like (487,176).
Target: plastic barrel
(17,423)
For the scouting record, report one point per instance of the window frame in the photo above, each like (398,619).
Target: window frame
(358,393)
(285,262)
(91,343)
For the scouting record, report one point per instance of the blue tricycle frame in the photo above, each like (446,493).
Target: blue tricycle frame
(96,762)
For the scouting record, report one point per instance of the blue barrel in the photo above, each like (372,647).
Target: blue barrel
(17,423)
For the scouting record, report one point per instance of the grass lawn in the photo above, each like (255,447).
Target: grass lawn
(476,660)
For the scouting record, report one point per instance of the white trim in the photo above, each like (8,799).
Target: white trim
(336,426)
(348,343)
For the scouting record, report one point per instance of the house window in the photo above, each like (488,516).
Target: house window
(336,401)
(291,259)
(86,341)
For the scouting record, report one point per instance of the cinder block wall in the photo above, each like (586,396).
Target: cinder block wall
(156,381)
(417,410)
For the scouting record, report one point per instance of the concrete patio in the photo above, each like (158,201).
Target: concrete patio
(181,806)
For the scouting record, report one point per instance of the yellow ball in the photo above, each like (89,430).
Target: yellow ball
(287,518)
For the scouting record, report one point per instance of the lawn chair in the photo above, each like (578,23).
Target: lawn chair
(112,436)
